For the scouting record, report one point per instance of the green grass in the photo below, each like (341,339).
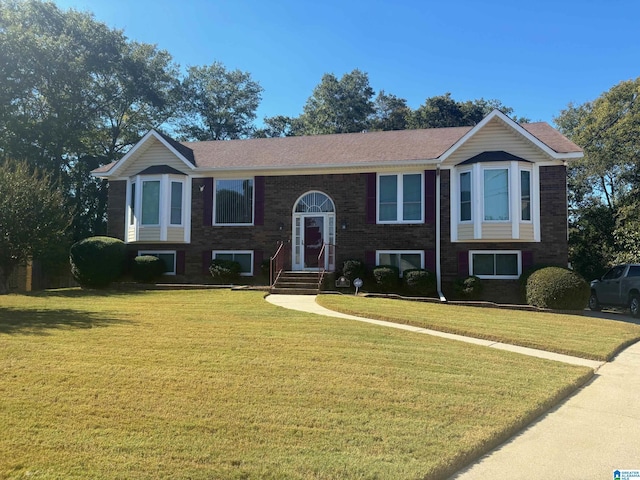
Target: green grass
(577,335)
(219,384)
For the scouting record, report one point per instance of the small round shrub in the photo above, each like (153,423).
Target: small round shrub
(353,269)
(386,277)
(420,281)
(225,271)
(469,288)
(147,268)
(559,288)
(97,261)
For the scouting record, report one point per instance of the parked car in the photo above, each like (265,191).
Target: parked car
(619,287)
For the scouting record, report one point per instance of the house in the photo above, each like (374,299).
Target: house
(488,200)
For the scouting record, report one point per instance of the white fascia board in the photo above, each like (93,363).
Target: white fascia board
(151,133)
(515,126)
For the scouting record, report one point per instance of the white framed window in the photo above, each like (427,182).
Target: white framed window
(402,259)
(495,264)
(465,197)
(233,201)
(525,195)
(243,257)
(496,194)
(167,256)
(400,198)
(157,200)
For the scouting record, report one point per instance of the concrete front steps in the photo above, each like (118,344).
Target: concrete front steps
(297,283)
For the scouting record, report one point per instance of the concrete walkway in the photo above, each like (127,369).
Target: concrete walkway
(588,436)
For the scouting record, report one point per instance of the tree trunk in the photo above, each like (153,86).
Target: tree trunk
(4,281)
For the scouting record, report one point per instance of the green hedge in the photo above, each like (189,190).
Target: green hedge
(147,268)
(97,261)
(469,288)
(559,288)
(225,271)
(419,281)
(386,277)
(353,269)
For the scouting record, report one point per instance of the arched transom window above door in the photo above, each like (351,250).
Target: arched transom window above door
(314,202)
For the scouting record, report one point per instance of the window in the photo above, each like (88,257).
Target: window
(150,202)
(496,194)
(169,259)
(465,196)
(634,271)
(615,273)
(132,204)
(403,259)
(243,257)
(400,198)
(234,202)
(495,264)
(525,195)
(176,203)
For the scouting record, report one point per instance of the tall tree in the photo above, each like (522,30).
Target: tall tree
(391,113)
(607,179)
(33,217)
(218,104)
(77,95)
(339,106)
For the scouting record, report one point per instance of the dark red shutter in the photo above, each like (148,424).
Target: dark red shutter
(206,261)
(371,198)
(430,196)
(258,215)
(207,202)
(370,259)
(180,262)
(463,264)
(527,260)
(430,260)
(258,257)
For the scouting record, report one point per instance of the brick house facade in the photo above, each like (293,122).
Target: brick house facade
(382,197)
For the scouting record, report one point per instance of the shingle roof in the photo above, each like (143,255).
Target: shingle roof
(349,149)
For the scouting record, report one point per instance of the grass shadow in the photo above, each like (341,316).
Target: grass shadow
(39,322)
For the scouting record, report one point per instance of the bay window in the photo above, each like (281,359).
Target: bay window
(400,198)
(496,194)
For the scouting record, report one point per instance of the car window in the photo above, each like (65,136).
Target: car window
(614,273)
(634,271)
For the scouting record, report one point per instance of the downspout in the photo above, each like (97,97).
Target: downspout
(438,269)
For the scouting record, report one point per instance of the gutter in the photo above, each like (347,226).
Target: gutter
(438,269)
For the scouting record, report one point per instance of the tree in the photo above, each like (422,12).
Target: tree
(218,104)
(391,113)
(606,181)
(32,217)
(279,126)
(76,94)
(339,106)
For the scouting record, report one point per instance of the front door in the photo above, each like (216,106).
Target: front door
(312,239)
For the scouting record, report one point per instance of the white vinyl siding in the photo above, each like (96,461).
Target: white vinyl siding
(155,153)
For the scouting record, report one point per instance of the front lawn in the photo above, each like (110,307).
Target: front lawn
(219,384)
(576,335)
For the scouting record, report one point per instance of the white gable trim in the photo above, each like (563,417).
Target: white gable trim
(517,128)
(131,153)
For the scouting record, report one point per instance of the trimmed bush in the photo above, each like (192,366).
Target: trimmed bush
(147,268)
(386,277)
(225,271)
(469,288)
(353,269)
(97,261)
(559,288)
(420,281)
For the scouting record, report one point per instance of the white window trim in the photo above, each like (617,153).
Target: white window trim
(164,252)
(477,198)
(509,192)
(244,252)
(253,203)
(399,199)
(459,195)
(494,252)
(400,252)
(165,205)
(530,170)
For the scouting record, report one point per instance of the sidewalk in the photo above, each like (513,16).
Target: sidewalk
(588,436)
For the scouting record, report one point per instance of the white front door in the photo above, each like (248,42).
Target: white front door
(310,232)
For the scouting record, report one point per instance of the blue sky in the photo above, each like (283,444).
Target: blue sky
(533,56)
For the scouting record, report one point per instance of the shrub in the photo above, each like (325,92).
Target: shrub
(556,287)
(353,269)
(97,261)
(147,268)
(386,277)
(469,288)
(225,271)
(420,281)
